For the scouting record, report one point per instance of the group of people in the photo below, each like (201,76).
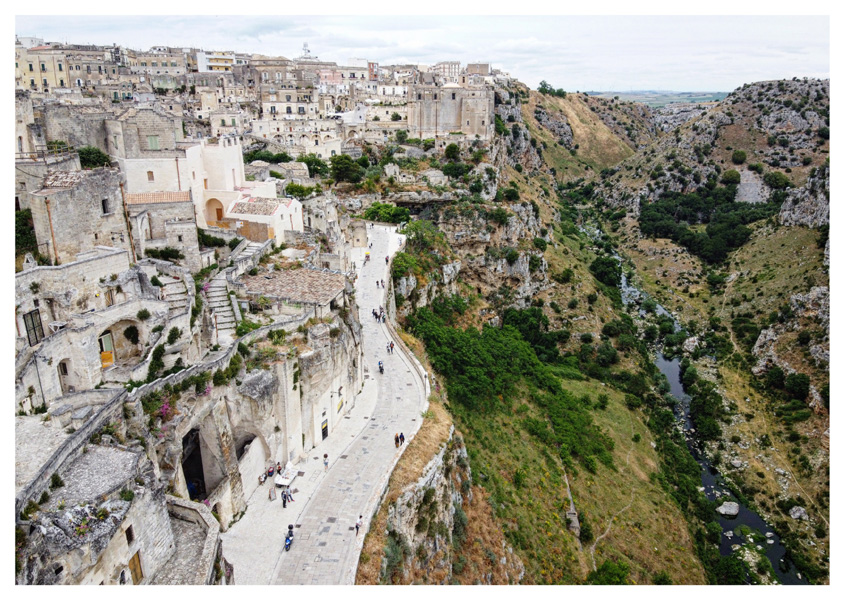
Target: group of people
(379,315)
(390,347)
(380,283)
(399,439)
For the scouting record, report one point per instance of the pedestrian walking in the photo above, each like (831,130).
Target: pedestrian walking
(382,283)
(325,462)
(359,524)
(391,347)
(289,494)
(377,284)
(401,439)
(284,500)
(386,259)
(396,439)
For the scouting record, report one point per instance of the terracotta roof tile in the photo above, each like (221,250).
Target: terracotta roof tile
(158,197)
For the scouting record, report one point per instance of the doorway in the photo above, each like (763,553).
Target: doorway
(192,465)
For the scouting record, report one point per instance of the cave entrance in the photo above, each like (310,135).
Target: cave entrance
(192,465)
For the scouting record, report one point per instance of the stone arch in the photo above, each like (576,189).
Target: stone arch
(213,210)
(124,348)
(66,379)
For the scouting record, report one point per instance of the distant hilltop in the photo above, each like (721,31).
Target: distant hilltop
(657,98)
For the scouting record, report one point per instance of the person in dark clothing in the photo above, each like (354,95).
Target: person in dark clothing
(396,440)
(401,439)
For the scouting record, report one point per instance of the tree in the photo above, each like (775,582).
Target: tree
(776,180)
(91,157)
(343,168)
(401,136)
(610,573)
(396,117)
(607,270)
(299,191)
(452,152)
(316,165)
(738,157)
(797,385)
(775,378)
(731,177)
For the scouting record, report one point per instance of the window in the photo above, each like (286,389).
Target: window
(130,535)
(63,369)
(233,122)
(435,96)
(105,204)
(223,122)
(43,68)
(172,64)
(179,237)
(60,67)
(155,64)
(109,297)
(34,331)
(45,81)
(453,95)
(143,64)
(152,142)
(287,97)
(61,83)
(30,67)
(150,176)
(288,110)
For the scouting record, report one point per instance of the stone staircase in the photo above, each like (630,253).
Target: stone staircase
(175,293)
(250,249)
(219,302)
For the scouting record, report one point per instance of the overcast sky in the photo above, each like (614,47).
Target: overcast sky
(605,53)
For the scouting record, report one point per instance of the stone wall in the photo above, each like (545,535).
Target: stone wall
(77,219)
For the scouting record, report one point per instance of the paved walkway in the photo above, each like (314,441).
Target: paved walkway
(361,459)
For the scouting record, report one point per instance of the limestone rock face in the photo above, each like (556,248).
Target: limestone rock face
(557,124)
(423,520)
(259,385)
(809,205)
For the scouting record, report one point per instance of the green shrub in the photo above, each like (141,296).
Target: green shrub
(127,495)
(540,244)
(131,334)
(499,215)
(91,157)
(738,157)
(173,335)
(143,314)
(56,481)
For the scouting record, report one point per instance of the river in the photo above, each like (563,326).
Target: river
(713,484)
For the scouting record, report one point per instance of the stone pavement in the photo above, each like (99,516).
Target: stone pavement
(361,458)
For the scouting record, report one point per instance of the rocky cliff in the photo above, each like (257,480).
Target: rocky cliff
(430,536)
(809,205)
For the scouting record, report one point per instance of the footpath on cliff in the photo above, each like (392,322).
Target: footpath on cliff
(361,452)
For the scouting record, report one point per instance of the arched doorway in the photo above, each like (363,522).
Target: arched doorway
(213,211)
(106,344)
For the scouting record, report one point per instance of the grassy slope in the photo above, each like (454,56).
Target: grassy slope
(598,146)
(773,265)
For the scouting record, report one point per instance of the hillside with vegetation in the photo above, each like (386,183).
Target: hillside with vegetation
(513,288)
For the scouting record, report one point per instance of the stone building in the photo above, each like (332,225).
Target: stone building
(77,324)
(435,111)
(75,211)
(165,219)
